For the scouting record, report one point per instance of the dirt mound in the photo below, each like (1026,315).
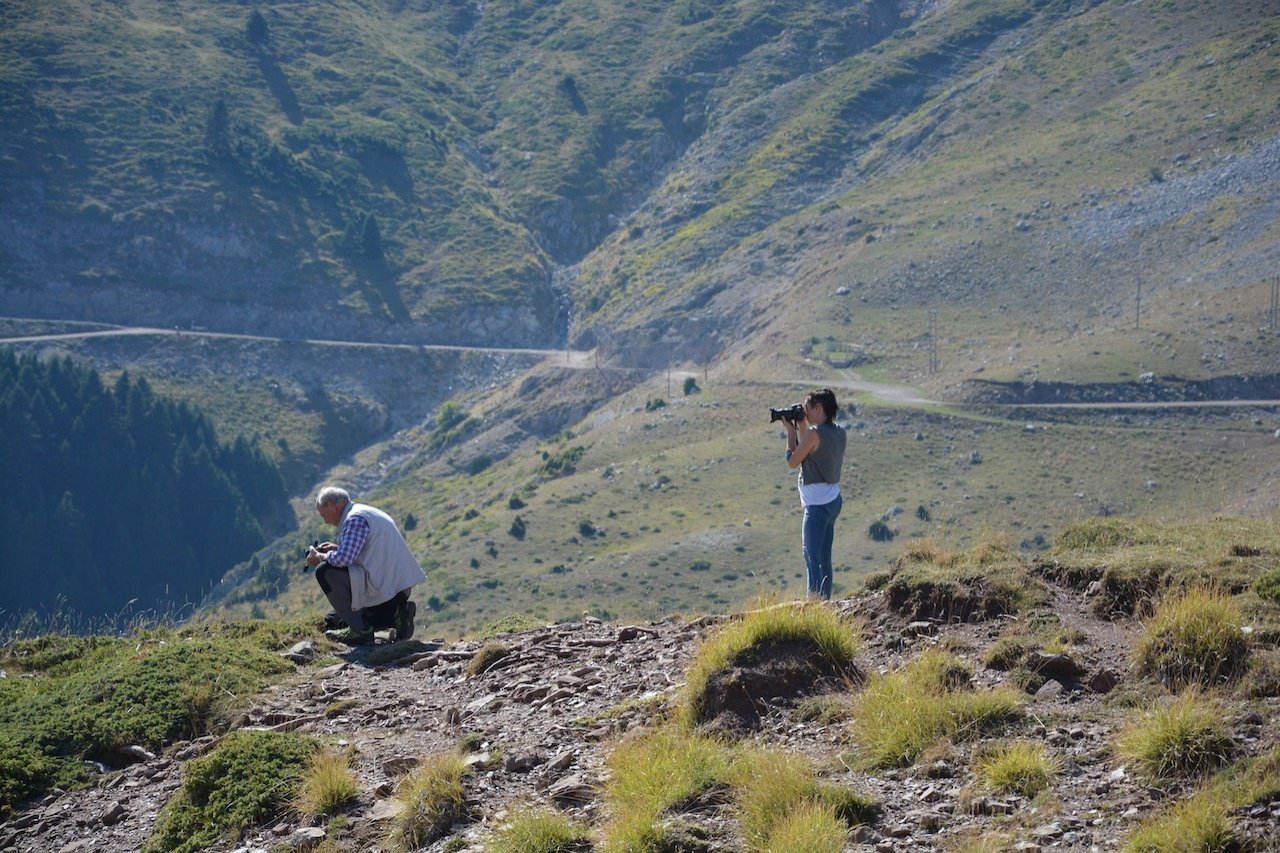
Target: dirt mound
(776,673)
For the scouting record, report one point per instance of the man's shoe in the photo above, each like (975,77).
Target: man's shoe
(332,621)
(405,614)
(350,636)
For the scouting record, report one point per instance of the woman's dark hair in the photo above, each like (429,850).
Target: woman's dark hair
(827,399)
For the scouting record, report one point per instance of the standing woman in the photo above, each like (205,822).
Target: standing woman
(815,444)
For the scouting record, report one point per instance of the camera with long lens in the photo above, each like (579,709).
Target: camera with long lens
(795,414)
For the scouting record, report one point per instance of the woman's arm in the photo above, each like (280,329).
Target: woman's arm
(807,443)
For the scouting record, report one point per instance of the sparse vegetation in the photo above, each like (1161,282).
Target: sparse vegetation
(652,774)
(988,580)
(774,786)
(540,832)
(899,715)
(88,695)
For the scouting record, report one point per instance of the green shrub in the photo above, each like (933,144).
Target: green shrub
(1179,738)
(1268,586)
(246,781)
(540,832)
(1194,639)
(432,798)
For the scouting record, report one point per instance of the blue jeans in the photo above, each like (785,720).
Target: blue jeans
(818,534)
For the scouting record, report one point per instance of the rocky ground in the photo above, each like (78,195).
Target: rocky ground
(541,721)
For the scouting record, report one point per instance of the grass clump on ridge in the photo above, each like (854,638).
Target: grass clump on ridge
(653,774)
(769,625)
(1134,560)
(775,790)
(487,656)
(431,798)
(1180,738)
(1195,639)
(85,697)
(247,780)
(540,832)
(899,715)
(988,580)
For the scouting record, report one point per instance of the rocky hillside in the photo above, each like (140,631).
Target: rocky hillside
(540,721)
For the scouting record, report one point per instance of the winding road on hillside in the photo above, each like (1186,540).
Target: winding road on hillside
(581,359)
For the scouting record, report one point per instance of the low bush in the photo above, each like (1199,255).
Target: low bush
(431,797)
(1194,639)
(247,780)
(540,832)
(1179,738)
(899,715)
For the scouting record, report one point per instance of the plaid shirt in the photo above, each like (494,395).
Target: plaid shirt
(355,530)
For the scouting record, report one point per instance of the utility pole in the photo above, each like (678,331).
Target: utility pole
(933,340)
(1137,307)
(1275,304)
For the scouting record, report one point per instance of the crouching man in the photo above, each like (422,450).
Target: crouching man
(368,573)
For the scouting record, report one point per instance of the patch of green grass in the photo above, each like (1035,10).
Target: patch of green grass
(899,715)
(87,697)
(1194,639)
(432,797)
(540,832)
(247,780)
(655,773)
(1179,738)
(1019,767)
(761,627)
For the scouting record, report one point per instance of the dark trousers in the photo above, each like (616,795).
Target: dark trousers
(335,582)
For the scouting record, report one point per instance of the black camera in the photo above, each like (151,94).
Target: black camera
(795,414)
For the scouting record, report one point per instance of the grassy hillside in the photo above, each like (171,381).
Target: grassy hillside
(642,510)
